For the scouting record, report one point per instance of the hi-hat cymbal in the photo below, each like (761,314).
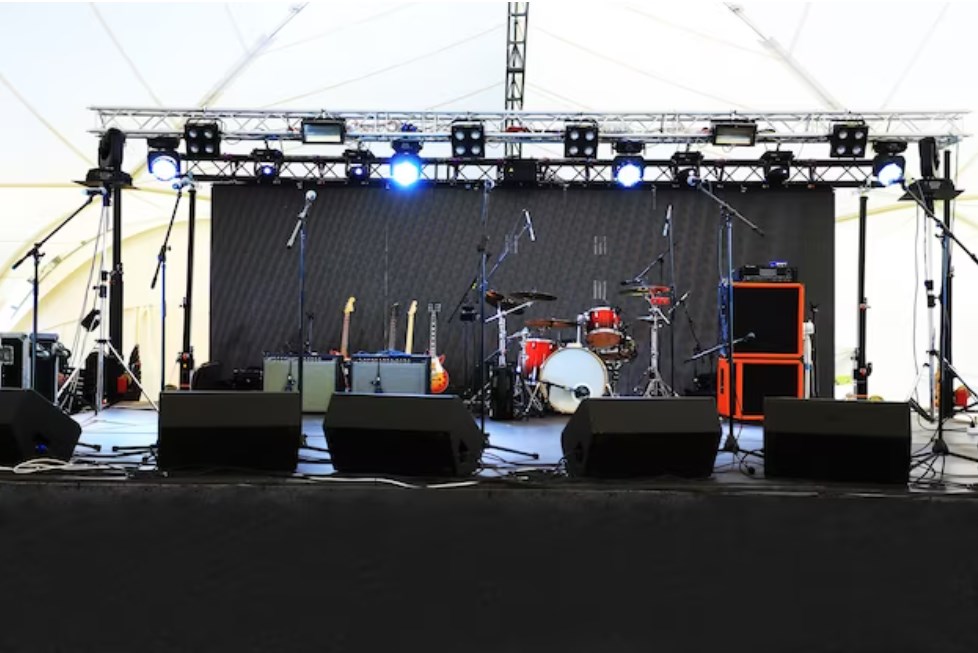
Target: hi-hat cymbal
(643,291)
(533,296)
(493,297)
(551,323)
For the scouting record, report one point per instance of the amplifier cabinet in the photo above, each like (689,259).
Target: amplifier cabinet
(775,314)
(408,374)
(320,379)
(758,378)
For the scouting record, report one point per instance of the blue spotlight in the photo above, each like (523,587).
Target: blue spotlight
(163,165)
(628,171)
(888,165)
(405,169)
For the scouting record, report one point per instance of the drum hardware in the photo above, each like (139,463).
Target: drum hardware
(656,385)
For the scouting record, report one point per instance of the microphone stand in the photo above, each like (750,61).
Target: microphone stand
(36,252)
(161,274)
(672,295)
(300,231)
(727,214)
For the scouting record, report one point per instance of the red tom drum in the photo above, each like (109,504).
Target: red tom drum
(603,327)
(535,352)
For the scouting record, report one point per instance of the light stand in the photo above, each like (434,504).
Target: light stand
(727,214)
(862,369)
(160,274)
(36,252)
(924,193)
(300,231)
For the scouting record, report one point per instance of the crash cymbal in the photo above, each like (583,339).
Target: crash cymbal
(533,296)
(493,297)
(643,291)
(551,323)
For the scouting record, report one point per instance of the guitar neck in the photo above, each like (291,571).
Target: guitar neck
(345,341)
(409,339)
(392,333)
(433,337)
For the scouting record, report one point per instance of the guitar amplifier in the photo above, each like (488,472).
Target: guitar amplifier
(407,374)
(320,379)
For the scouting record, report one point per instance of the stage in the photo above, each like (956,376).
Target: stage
(524,561)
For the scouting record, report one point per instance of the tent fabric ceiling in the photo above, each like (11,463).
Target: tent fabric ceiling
(59,59)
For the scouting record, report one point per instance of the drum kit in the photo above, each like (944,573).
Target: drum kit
(562,361)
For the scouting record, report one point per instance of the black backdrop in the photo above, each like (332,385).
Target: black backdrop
(385,245)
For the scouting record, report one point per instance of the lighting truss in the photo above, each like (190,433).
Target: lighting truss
(537,127)
(803,173)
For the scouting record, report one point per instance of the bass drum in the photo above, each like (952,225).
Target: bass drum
(571,375)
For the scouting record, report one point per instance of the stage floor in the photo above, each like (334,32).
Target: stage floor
(136,426)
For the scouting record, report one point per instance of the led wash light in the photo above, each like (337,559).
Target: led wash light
(163,161)
(888,166)
(628,171)
(405,169)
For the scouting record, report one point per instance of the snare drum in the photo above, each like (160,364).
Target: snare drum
(535,351)
(603,326)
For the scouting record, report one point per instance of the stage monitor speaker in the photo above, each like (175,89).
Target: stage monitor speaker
(828,440)
(407,374)
(229,430)
(638,437)
(405,435)
(32,427)
(774,313)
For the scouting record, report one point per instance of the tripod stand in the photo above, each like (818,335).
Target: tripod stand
(656,386)
(104,347)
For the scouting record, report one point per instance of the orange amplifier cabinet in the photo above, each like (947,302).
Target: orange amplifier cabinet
(756,379)
(775,314)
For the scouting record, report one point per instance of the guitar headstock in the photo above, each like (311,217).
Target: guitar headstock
(395,309)
(413,308)
(349,305)
(434,307)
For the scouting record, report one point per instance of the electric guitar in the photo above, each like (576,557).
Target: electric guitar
(409,339)
(439,375)
(345,340)
(392,327)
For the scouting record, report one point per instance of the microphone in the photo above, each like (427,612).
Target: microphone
(665,227)
(183,181)
(310,198)
(682,299)
(749,336)
(529,225)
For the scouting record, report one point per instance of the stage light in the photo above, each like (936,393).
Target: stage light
(736,133)
(777,166)
(848,140)
(686,168)
(110,149)
(405,169)
(888,165)
(468,140)
(581,140)
(268,164)
(628,170)
(203,140)
(321,130)
(358,164)
(930,162)
(163,160)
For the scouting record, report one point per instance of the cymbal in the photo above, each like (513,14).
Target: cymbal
(642,291)
(494,297)
(551,323)
(533,296)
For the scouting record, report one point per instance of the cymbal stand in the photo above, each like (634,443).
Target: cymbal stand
(656,385)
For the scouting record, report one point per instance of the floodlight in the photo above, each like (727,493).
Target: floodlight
(628,170)
(203,140)
(581,140)
(468,140)
(405,169)
(320,130)
(848,140)
(737,133)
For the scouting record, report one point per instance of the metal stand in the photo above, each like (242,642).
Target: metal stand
(300,231)
(924,198)
(36,252)
(104,346)
(727,214)
(656,386)
(160,274)
(186,357)
(862,369)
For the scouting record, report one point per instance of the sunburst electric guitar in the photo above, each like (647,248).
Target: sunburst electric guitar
(409,338)
(439,375)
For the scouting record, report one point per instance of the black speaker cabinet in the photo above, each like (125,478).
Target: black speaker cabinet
(406,435)
(33,427)
(639,437)
(828,440)
(774,313)
(407,374)
(230,430)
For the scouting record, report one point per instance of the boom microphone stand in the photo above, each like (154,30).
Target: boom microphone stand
(36,252)
(300,231)
(727,214)
(160,274)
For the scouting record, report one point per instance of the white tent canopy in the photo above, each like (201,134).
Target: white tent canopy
(59,59)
